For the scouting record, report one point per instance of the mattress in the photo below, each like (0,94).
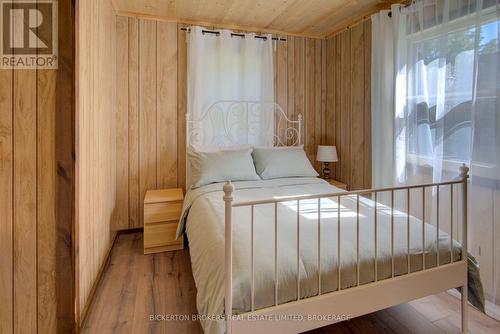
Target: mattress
(203,222)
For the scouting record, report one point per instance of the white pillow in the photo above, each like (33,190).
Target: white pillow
(220,166)
(278,162)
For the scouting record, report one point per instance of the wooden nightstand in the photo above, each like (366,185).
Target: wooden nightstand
(162,211)
(338,184)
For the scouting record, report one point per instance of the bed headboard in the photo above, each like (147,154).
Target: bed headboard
(229,123)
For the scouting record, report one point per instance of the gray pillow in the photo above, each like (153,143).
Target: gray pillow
(278,162)
(220,166)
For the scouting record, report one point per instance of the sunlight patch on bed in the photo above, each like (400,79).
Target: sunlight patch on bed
(309,209)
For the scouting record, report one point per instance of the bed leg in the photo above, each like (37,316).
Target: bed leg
(464,174)
(228,278)
(465,311)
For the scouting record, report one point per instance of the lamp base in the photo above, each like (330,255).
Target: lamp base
(326,171)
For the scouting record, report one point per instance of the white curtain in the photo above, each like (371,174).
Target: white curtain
(383,33)
(436,105)
(228,67)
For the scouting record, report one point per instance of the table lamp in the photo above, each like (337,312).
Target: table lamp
(327,154)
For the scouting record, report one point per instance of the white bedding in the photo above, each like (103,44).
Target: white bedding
(204,225)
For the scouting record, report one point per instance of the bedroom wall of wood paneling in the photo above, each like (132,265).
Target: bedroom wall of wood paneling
(325,80)
(150,110)
(96,143)
(36,171)
(348,119)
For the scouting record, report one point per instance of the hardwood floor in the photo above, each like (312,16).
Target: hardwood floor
(134,286)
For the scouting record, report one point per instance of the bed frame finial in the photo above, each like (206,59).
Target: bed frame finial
(464,171)
(228,189)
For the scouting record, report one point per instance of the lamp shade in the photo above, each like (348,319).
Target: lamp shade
(327,154)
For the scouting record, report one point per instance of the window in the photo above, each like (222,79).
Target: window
(441,87)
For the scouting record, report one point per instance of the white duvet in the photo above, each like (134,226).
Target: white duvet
(203,222)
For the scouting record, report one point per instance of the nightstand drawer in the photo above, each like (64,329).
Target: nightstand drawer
(161,234)
(160,212)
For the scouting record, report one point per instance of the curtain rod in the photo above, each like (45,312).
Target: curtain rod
(404,5)
(233,34)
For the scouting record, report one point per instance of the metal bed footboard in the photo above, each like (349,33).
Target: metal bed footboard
(362,298)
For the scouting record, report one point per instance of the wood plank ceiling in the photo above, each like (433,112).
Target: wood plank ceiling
(310,18)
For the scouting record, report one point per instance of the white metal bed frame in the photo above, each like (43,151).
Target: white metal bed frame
(355,301)
(228,118)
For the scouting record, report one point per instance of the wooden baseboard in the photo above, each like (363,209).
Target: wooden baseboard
(102,269)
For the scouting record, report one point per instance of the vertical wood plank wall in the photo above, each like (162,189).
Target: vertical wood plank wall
(328,81)
(149,90)
(36,166)
(348,117)
(96,142)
